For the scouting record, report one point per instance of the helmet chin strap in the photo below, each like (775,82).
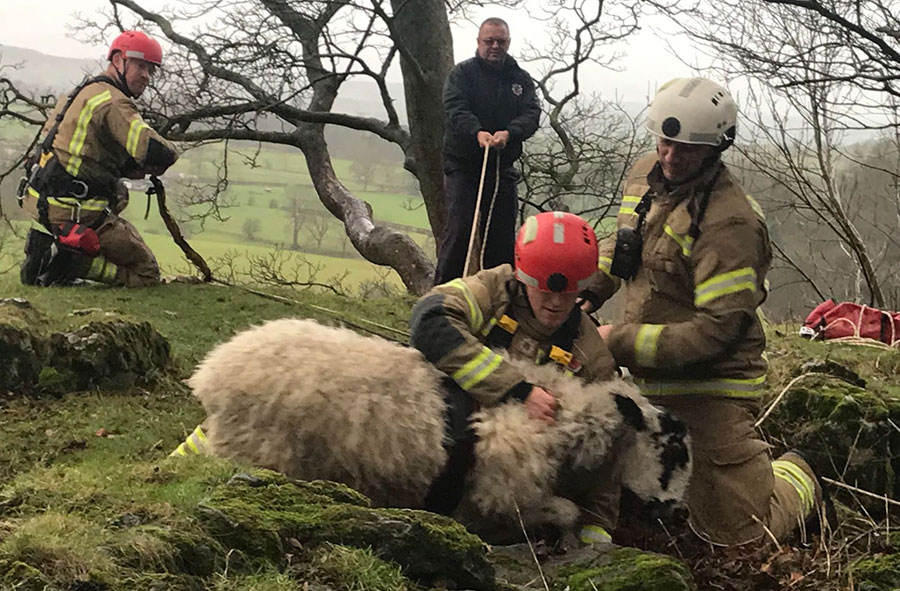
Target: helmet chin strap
(122,81)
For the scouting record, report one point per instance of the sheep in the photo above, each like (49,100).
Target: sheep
(318,402)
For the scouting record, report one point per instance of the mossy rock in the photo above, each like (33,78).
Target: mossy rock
(877,573)
(601,567)
(628,569)
(108,353)
(846,433)
(21,345)
(268,515)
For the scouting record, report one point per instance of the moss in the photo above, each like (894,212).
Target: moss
(21,346)
(877,573)
(627,569)
(260,519)
(845,431)
(352,569)
(112,353)
(65,549)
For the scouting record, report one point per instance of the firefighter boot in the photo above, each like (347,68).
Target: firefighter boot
(68,266)
(37,255)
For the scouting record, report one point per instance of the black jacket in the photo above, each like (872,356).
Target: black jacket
(479,97)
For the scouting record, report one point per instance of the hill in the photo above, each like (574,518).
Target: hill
(89,500)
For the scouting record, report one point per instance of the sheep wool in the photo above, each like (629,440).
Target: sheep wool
(318,402)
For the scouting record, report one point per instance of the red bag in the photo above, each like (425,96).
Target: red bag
(832,320)
(80,237)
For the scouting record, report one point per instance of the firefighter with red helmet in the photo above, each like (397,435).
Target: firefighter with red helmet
(530,311)
(94,137)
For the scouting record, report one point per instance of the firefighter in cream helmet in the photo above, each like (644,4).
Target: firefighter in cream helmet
(692,251)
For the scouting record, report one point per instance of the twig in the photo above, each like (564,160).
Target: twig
(887,500)
(768,532)
(530,546)
(783,392)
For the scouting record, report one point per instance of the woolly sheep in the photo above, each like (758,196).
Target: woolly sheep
(317,402)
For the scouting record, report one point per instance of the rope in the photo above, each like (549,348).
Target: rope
(490,217)
(477,217)
(856,338)
(335,313)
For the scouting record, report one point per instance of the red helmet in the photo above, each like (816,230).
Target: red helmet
(556,251)
(136,44)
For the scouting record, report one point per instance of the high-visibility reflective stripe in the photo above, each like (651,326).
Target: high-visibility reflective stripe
(76,144)
(102,270)
(478,368)
(593,534)
(724,284)
(645,344)
(734,388)
(196,443)
(604,264)
(134,135)
(86,205)
(799,479)
(488,326)
(475,316)
(686,242)
(628,204)
(756,207)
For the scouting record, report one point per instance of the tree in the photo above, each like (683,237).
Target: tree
(251,228)
(364,172)
(578,160)
(318,229)
(818,71)
(294,209)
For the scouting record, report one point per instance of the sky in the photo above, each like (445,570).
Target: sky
(647,64)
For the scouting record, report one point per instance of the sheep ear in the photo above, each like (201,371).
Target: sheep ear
(631,412)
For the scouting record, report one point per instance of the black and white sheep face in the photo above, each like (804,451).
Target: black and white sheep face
(657,467)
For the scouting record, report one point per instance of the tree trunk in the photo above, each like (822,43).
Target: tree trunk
(377,243)
(426,57)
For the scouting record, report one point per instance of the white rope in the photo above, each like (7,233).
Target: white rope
(490,217)
(477,217)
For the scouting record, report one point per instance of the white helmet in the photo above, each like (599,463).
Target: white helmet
(693,111)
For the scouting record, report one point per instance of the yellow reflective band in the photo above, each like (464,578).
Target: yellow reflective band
(490,324)
(593,534)
(756,207)
(76,144)
(475,317)
(686,242)
(799,479)
(478,368)
(195,443)
(732,388)
(604,264)
(645,344)
(561,356)
(724,284)
(98,204)
(134,136)
(628,204)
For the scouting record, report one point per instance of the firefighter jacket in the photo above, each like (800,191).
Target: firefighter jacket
(101,138)
(479,97)
(453,324)
(691,324)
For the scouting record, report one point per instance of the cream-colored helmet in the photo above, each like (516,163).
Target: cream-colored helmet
(694,111)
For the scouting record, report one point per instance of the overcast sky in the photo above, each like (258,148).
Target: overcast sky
(648,61)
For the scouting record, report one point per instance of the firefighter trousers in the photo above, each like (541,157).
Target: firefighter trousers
(737,494)
(120,244)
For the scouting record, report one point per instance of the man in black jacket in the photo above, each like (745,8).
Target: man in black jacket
(490,102)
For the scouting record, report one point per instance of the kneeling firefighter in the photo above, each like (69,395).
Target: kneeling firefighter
(692,251)
(73,187)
